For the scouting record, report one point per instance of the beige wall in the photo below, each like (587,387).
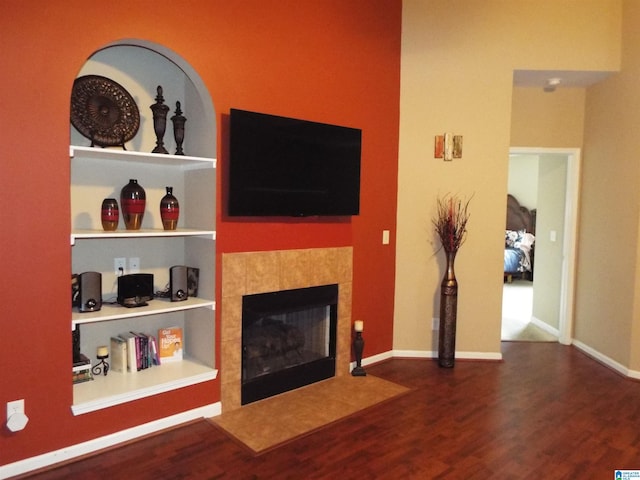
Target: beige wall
(458,59)
(547,281)
(550,120)
(607,302)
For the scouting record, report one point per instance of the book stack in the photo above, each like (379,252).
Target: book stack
(133,351)
(82,370)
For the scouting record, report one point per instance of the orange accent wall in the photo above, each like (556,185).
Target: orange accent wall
(324,60)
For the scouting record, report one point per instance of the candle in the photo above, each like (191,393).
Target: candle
(358,325)
(103,352)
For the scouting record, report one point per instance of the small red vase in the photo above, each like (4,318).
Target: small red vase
(110,214)
(169,210)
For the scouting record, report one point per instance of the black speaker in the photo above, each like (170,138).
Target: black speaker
(75,342)
(178,283)
(135,290)
(89,292)
(193,278)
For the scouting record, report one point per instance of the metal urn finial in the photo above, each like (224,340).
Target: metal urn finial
(178,129)
(159,110)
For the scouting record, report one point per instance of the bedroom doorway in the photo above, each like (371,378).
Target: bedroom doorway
(547,301)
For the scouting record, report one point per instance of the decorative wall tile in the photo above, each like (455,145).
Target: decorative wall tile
(231,318)
(344,264)
(296,269)
(263,272)
(234,277)
(248,273)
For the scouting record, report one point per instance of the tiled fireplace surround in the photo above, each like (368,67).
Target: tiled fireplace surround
(248,273)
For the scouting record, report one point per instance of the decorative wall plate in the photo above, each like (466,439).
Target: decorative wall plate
(103,111)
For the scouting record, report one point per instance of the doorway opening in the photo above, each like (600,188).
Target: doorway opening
(553,190)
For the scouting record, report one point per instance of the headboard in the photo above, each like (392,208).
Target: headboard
(519,217)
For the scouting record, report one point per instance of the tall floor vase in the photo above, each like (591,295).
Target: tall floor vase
(448,315)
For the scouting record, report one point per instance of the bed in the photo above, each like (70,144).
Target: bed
(519,241)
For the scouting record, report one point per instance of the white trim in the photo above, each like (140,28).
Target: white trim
(371,360)
(570,248)
(545,326)
(377,358)
(170,377)
(414,354)
(606,361)
(432,354)
(68,453)
(496,356)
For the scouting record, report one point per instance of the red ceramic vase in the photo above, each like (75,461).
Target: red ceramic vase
(169,210)
(110,214)
(133,200)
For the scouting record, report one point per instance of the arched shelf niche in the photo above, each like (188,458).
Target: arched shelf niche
(97,173)
(140,67)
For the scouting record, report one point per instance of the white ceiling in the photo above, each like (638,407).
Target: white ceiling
(573,79)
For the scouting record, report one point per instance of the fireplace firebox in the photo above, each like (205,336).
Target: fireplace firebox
(288,340)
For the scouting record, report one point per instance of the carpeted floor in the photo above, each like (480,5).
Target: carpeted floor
(268,423)
(517,306)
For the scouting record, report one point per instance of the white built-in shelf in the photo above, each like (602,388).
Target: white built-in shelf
(117,387)
(96,173)
(155,306)
(142,233)
(110,154)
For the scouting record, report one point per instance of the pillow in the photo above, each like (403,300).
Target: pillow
(526,240)
(510,238)
(518,239)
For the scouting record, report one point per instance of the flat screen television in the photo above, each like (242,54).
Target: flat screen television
(281,166)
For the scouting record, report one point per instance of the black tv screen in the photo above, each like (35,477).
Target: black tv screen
(281,166)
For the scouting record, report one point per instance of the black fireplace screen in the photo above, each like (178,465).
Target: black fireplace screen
(288,340)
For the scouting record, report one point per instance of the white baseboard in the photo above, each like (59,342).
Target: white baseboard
(607,361)
(459,355)
(373,359)
(68,453)
(494,356)
(545,326)
(414,354)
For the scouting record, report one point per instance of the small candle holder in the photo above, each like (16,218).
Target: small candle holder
(102,366)
(358,348)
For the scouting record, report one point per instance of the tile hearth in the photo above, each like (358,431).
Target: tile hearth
(248,273)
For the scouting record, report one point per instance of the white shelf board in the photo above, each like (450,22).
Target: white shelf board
(156,306)
(118,387)
(143,232)
(109,154)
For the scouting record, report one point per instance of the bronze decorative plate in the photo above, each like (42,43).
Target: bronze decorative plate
(103,111)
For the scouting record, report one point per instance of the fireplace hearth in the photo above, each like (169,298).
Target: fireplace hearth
(288,340)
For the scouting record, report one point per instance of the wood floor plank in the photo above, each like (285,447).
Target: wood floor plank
(547,411)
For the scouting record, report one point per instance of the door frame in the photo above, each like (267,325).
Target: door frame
(570,235)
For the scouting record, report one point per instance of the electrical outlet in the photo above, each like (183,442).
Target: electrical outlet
(16,419)
(134,265)
(17,406)
(119,266)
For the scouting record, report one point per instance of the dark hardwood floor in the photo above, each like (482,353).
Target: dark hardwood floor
(546,412)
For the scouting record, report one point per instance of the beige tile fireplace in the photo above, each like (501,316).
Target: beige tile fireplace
(249,273)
